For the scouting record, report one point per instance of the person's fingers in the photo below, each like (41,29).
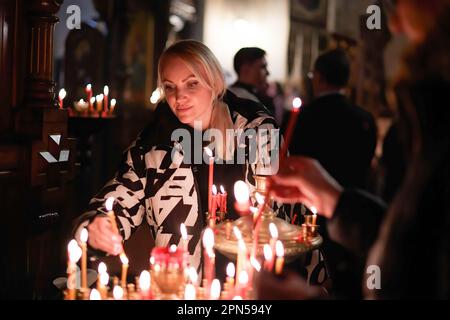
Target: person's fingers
(106,228)
(102,237)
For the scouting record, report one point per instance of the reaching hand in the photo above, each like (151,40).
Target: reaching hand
(103,237)
(303,179)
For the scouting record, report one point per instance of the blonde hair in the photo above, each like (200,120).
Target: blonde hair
(206,68)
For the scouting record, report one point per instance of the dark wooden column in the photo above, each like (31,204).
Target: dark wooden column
(37,157)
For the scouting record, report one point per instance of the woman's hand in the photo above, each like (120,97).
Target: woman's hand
(103,237)
(302,179)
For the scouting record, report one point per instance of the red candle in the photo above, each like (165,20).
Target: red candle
(105,99)
(215,202)
(89,96)
(296,104)
(210,177)
(62,94)
(223,199)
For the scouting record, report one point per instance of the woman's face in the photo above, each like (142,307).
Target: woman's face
(189,100)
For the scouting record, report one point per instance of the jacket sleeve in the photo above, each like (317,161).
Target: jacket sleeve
(356,221)
(128,190)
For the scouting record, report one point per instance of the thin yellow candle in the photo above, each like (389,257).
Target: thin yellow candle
(101,270)
(268,256)
(74,253)
(84,237)
(314,217)
(112,217)
(215,289)
(125,261)
(280,257)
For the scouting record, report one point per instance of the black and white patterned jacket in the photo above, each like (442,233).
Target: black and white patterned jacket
(154,184)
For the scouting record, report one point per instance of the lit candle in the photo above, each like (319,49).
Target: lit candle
(125,261)
(112,217)
(101,270)
(209,257)
(215,289)
(296,104)
(118,293)
(95,295)
(255,264)
(144,284)
(74,253)
(242,194)
(99,99)
(215,202)
(231,271)
(314,217)
(210,177)
(62,94)
(190,292)
(268,257)
(280,257)
(184,237)
(193,276)
(273,235)
(113,105)
(91,104)
(84,237)
(223,199)
(89,96)
(104,280)
(105,99)
(242,283)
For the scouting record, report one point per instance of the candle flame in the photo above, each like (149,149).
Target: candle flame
(255,263)
(208,238)
(193,276)
(152,260)
(297,103)
(102,267)
(279,249)
(267,252)
(237,298)
(243,277)
(314,210)
(92,100)
(259,198)
(74,251)
(118,293)
(254,210)
(237,233)
(84,235)
(113,103)
(109,203)
(231,270)
(123,258)
(98,98)
(189,292)
(62,93)
(241,192)
(95,295)
(208,152)
(173,248)
(81,101)
(222,189)
(144,280)
(273,230)
(156,95)
(215,289)
(104,278)
(89,87)
(106,90)
(183,231)
(214,189)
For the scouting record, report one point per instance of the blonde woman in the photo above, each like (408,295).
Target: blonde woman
(161,180)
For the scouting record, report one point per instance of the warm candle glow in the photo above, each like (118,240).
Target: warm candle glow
(279,249)
(255,264)
(152,260)
(222,189)
(102,267)
(145,280)
(243,278)
(92,101)
(189,292)
(84,235)
(214,189)
(273,230)
(124,258)
(118,293)
(113,103)
(241,192)
(237,298)
(267,252)
(231,270)
(173,248)
(193,275)
(208,238)
(89,87)
(297,103)
(109,203)
(106,90)
(62,94)
(215,289)
(254,210)
(74,251)
(259,198)
(104,278)
(95,295)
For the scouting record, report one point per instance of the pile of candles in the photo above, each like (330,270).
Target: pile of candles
(98,106)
